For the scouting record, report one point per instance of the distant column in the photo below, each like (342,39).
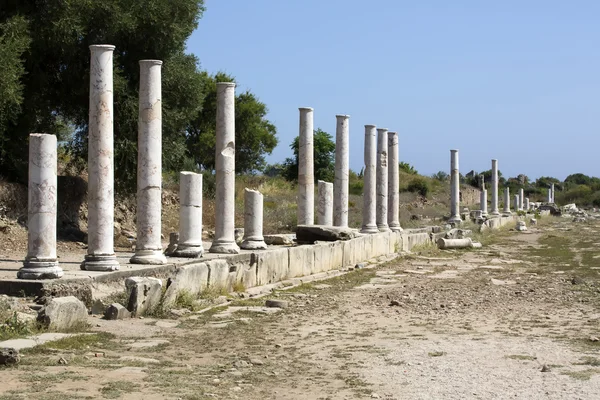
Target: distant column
(101,203)
(325,203)
(506,211)
(342,169)
(253,221)
(306,180)
(190,216)
(549,197)
(552,191)
(382,180)
(41,261)
(148,247)
(494,210)
(369,224)
(517,203)
(526,204)
(393,183)
(454,188)
(521,199)
(483,202)
(224,241)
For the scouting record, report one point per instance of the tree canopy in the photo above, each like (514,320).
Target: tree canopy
(324,158)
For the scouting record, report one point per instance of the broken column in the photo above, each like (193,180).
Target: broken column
(521,199)
(369,223)
(101,203)
(253,221)
(494,208)
(483,202)
(189,243)
(148,246)
(224,241)
(41,261)
(306,180)
(506,211)
(382,180)
(393,183)
(526,204)
(325,203)
(342,169)
(516,202)
(454,188)
(549,197)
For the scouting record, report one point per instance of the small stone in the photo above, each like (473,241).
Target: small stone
(394,303)
(277,345)
(63,313)
(360,266)
(545,368)
(241,364)
(236,389)
(375,396)
(256,361)
(116,311)
(9,356)
(276,303)
(63,361)
(594,339)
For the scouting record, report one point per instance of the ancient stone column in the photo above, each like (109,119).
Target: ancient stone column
(516,203)
(342,169)
(224,241)
(101,203)
(549,197)
(521,199)
(325,203)
(306,180)
(253,221)
(526,204)
(393,183)
(506,211)
(41,261)
(148,246)
(454,188)
(483,202)
(369,224)
(190,216)
(552,192)
(494,209)
(382,180)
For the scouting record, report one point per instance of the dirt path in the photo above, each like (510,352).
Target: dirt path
(451,325)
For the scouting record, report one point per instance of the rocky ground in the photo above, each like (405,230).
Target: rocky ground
(516,319)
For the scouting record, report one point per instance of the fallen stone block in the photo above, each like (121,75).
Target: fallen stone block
(454,243)
(63,313)
(145,294)
(312,233)
(521,227)
(116,311)
(279,240)
(9,356)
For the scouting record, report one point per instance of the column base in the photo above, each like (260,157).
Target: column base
(148,257)
(188,251)
(455,220)
(33,269)
(494,214)
(224,247)
(395,227)
(105,262)
(369,229)
(253,245)
(383,228)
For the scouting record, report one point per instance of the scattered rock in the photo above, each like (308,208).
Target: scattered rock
(276,303)
(500,282)
(116,311)
(594,339)
(98,307)
(63,313)
(256,361)
(545,368)
(577,281)
(63,361)
(521,227)
(9,356)
(394,303)
(145,294)
(279,240)
(360,266)
(241,364)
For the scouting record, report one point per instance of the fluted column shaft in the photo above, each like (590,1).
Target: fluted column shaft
(306,180)
(342,170)
(393,183)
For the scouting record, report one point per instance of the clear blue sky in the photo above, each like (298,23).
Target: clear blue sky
(516,80)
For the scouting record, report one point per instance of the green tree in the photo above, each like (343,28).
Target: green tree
(324,158)
(406,167)
(255,136)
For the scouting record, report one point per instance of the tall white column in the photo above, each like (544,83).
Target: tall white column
(190,216)
(325,203)
(369,223)
(506,211)
(148,247)
(483,202)
(41,261)
(521,199)
(454,188)
(494,208)
(382,180)
(253,221)
(393,183)
(342,170)
(101,203)
(552,191)
(306,180)
(549,197)
(517,203)
(526,204)
(224,241)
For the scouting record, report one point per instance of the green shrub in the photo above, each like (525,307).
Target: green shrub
(418,185)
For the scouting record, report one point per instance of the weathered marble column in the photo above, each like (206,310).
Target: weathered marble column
(494,208)
(190,216)
(454,188)
(369,223)
(521,199)
(224,241)
(483,202)
(306,179)
(342,170)
(382,180)
(393,183)
(549,196)
(552,192)
(253,221)
(506,211)
(41,261)
(148,246)
(526,204)
(325,203)
(101,203)
(517,203)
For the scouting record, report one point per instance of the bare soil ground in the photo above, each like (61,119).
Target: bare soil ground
(517,319)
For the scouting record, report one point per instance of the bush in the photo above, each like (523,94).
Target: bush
(418,185)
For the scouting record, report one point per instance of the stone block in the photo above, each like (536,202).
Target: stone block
(337,255)
(63,313)
(280,240)
(272,266)
(116,311)
(145,294)
(192,278)
(322,257)
(301,260)
(218,277)
(9,356)
(381,244)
